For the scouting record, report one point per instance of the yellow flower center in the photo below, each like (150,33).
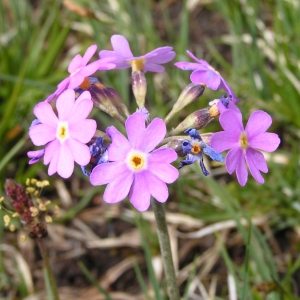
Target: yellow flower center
(196,148)
(137,65)
(62,132)
(136,160)
(244,141)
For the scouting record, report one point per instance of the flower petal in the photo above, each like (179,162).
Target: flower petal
(139,192)
(241,172)
(45,114)
(258,122)
(121,46)
(194,57)
(165,172)
(119,147)
(235,162)
(165,155)
(232,159)
(80,152)
(65,162)
(64,104)
(266,141)
(163,55)
(82,108)
(119,188)
(75,64)
(53,164)
(224,140)
(187,66)
(157,187)
(256,163)
(119,61)
(149,67)
(153,135)
(42,134)
(105,173)
(76,80)
(231,122)
(51,149)
(135,128)
(83,131)
(90,51)
(90,69)
(209,77)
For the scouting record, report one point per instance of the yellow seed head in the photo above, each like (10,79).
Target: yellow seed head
(33,181)
(22,238)
(12,228)
(48,219)
(27,181)
(42,207)
(15,215)
(30,190)
(34,211)
(1,199)
(6,219)
(45,182)
(39,184)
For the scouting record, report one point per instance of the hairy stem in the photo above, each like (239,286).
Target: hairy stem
(48,268)
(165,248)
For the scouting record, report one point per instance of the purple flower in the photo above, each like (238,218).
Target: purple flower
(125,59)
(99,155)
(244,142)
(79,69)
(35,156)
(133,168)
(65,136)
(194,150)
(203,72)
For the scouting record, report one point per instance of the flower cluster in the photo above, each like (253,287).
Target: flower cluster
(140,166)
(29,207)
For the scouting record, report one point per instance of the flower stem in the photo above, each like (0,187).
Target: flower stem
(165,248)
(48,268)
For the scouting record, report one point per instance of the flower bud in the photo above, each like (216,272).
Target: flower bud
(189,95)
(24,207)
(103,98)
(139,87)
(198,119)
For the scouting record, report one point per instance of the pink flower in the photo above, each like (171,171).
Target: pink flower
(203,72)
(125,59)
(65,136)
(79,69)
(244,142)
(133,168)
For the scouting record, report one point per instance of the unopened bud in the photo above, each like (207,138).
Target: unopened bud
(102,134)
(198,119)
(116,99)
(189,95)
(139,87)
(176,144)
(102,100)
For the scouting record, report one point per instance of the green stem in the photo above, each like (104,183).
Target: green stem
(48,268)
(165,248)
